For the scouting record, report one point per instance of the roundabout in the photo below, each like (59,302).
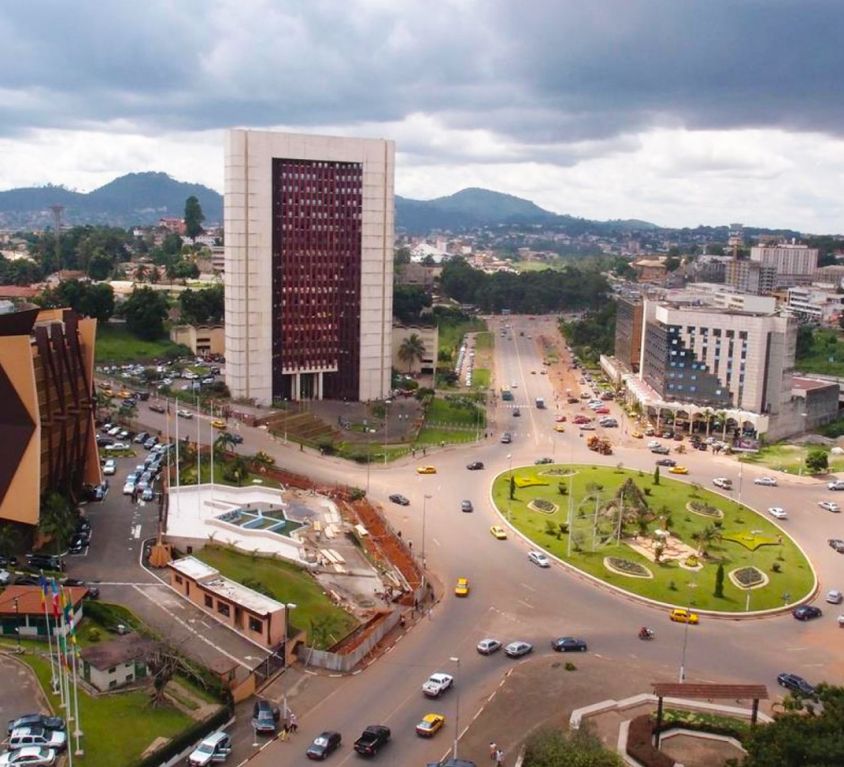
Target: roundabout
(661,539)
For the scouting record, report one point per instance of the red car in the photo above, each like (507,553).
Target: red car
(582,419)
(602,410)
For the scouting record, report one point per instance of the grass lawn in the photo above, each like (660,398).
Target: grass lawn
(431,435)
(670,582)
(484,342)
(826,355)
(445,413)
(451,334)
(790,459)
(116,344)
(118,728)
(480,378)
(287,583)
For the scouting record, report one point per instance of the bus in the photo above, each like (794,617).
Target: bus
(506,394)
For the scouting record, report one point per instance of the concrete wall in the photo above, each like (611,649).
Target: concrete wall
(346,662)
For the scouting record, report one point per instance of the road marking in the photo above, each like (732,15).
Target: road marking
(435,541)
(526,604)
(525,586)
(136,533)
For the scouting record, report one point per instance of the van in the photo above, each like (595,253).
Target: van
(540,403)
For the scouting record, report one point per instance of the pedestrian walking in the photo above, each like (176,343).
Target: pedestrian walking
(294,723)
(285,731)
(499,758)
(493,750)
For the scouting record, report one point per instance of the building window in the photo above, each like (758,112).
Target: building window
(209,602)
(179,579)
(256,625)
(223,609)
(112,670)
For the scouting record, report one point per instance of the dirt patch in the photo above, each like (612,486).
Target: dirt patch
(699,752)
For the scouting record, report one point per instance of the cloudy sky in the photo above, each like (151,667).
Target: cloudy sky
(676,111)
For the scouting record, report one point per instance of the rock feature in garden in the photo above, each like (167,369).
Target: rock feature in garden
(543,506)
(749,577)
(627,568)
(704,510)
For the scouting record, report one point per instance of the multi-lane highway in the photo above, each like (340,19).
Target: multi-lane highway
(512,599)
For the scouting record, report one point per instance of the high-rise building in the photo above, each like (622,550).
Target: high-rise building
(47,434)
(750,276)
(718,358)
(795,264)
(628,332)
(309,229)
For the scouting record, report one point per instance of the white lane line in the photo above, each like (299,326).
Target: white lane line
(526,604)
(525,586)
(136,532)
(435,541)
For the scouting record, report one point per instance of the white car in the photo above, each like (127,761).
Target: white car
(215,748)
(114,431)
(723,483)
(778,512)
(539,558)
(128,487)
(185,413)
(654,443)
(836,484)
(834,597)
(765,481)
(437,684)
(31,756)
(488,646)
(829,506)
(117,446)
(5,577)
(39,737)
(110,467)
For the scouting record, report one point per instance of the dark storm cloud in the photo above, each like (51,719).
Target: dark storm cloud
(540,74)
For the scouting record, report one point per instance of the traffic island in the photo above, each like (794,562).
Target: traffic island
(621,526)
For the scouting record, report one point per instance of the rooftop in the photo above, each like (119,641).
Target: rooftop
(122,649)
(234,592)
(810,384)
(29,599)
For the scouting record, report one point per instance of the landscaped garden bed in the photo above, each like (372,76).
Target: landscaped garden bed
(606,515)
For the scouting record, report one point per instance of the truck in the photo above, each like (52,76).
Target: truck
(540,403)
(372,739)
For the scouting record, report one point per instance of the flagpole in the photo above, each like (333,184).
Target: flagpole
(178,469)
(44,584)
(198,443)
(212,454)
(78,731)
(56,620)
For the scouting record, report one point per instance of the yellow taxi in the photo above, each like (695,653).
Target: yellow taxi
(426,469)
(681,615)
(462,587)
(498,532)
(636,435)
(430,725)
(108,392)
(559,427)
(218,423)
(679,470)
(125,394)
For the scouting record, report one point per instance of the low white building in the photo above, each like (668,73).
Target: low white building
(816,304)
(117,662)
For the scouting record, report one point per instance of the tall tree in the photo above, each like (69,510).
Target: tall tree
(56,520)
(145,312)
(411,349)
(193,218)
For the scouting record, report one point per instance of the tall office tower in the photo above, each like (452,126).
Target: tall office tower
(309,227)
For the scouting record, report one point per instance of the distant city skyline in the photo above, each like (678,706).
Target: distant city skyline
(677,113)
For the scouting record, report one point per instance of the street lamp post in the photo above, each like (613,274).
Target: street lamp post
(509,484)
(387,404)
(425,499)
(692,587)
(456,706)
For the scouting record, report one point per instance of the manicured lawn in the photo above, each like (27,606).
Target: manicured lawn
(286,583)
(480,378)
(116,344)
(790,459)
(826,355)
(667,505)
(451,333)
(442,412)
(484,342)
(117,728)
(434,436)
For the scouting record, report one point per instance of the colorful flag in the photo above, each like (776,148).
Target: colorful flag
(43,584)
(54,587)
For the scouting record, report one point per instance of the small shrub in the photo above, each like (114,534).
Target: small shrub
(357,494)
(672,586)
(550,527)
(776,567)
(646,491)
(563,488)
(94,635)
(570,666)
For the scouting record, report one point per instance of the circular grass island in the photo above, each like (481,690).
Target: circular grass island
(639,533)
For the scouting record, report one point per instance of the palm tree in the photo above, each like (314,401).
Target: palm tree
(155,275)
(140,273)
(224,441)
(56,519)
(411,349)
(705,537)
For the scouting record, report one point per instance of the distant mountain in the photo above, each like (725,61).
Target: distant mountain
(136,198)
(473,207)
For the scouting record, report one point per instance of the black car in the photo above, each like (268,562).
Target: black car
(666,462)
(83,526)
(475,465)
(8,561)
(265,716)
(235,439)
(93,493)
(466,506)
(399,499)
(324,745)
(569,644)
(372,740)
(796,684)
(93,591)
(543,461)
(45,561)
(103,440)
(78,544)
(660,450)
(517,413)
(452,762)
(36,720)
(837,544)
(806,612)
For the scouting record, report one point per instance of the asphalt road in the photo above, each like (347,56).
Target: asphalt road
(512,599)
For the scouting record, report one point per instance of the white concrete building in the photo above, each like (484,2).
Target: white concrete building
(815,304)
(795,264)
(309,223)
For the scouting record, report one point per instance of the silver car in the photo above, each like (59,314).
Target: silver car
(539,559)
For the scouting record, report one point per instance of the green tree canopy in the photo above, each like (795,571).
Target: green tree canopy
(193,218)
(202,306)
(89,300)
(145,312)
(411,349)
(408,303)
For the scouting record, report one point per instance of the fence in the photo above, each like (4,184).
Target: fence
(345,662)
(179,747)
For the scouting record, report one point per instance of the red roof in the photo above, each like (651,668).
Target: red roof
(808,384)
(29,599)
(18,291)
